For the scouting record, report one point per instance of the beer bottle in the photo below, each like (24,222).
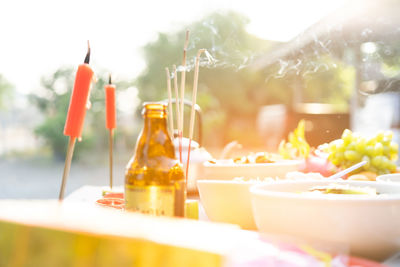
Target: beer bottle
(154,178)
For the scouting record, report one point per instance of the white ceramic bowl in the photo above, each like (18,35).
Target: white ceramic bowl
(368,226)
(227,201)
(227,170)
(391,178)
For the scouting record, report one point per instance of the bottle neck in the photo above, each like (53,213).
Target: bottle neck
(155,140)
(154,124)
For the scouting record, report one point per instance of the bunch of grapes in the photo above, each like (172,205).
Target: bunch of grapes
(379,151)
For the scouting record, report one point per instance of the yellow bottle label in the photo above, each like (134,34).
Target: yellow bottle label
(152,199)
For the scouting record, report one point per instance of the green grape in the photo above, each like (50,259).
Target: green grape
(386,150)
(378,149)
(394,148)
(361,145)
(369,150)
(352,155)
(332,147)
(335,161)
(371,142)
(341,148)
(385,162)
(376,161)
(340,156)
(347,136)
(386,141)
(379,137)
(351,146)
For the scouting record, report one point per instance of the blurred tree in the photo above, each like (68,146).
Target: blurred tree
(53,101)
(226,88)
(6,93)
(230,92)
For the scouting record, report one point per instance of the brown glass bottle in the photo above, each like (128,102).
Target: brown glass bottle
(154,178)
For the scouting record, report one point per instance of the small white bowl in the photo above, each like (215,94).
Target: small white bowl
(368,225)
(227,170)
(391,178)
(227,201)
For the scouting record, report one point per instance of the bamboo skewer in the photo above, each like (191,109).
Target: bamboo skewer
(182,96)
(171,115)
(67,166)
(110,140)
(192,112)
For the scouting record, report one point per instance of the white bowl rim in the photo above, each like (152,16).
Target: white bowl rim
(287,162)
(215,181)
(260,191)
(386,178)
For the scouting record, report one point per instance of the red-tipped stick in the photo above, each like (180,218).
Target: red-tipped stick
(171,114)
(110,121)
(76,114)
(178,111)
(183,80)
(192,112)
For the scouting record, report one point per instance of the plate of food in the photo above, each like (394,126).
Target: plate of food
(254,165)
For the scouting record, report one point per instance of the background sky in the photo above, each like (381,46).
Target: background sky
(38,37)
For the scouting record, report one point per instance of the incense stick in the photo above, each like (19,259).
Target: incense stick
(183,80)
(111,133)
(192,112)
(177,108)
(171,115)
(178,111)
(67,166)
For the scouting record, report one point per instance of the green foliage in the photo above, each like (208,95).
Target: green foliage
(6,93)
(227,90)
(53,101)
(332,84)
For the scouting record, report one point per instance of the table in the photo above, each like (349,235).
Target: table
(79,233)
